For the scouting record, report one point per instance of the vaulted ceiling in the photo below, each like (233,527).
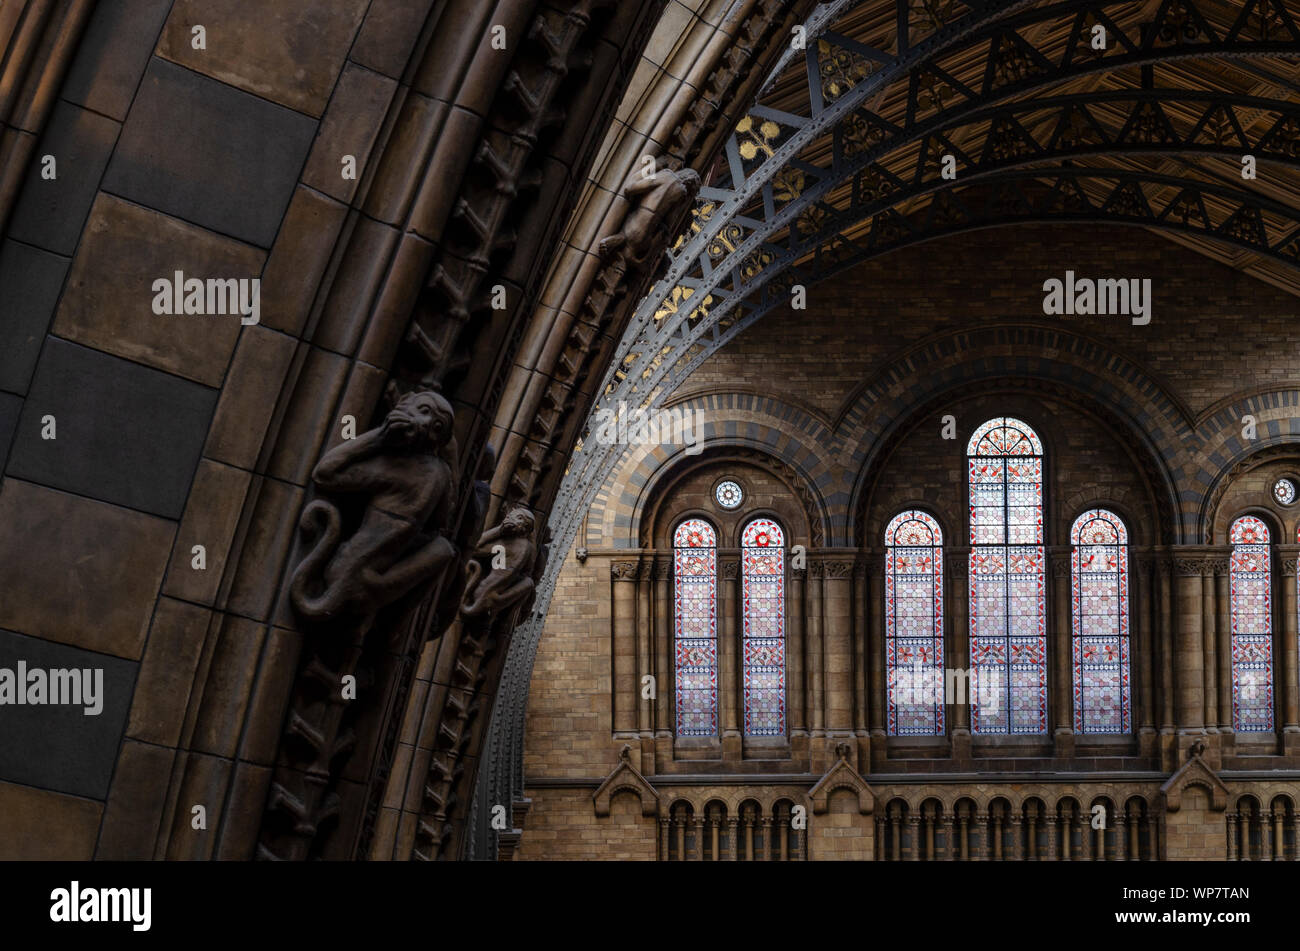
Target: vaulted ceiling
(1137,113)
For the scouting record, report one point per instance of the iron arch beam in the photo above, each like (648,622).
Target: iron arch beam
(759,224)
(1006,202)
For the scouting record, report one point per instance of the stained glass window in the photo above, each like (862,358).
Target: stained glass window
(1008,639)
(729,494)
(1251,603)
(914,624)
(1284,491)
(763,593)
(1099,598)
(695,595)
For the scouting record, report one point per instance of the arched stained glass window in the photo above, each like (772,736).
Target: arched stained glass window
(1251,603)
(695,616)
(763,594)
(1099,598)
(1008,638)
(914,624)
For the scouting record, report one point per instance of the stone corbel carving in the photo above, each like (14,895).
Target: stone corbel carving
(659,198)
(401,475)
(500,573)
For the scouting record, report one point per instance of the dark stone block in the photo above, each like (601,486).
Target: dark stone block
(126,434)
(31,280)
(197,149)
(51,213)
(10,407)
(113,54)
(60,747)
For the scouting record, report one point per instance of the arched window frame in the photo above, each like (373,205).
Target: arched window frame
(695,627)
(763,654)
(1250,612)
(1099,596)
(1008,617)
(914,624)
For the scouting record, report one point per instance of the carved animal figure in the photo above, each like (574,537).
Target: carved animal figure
(402,471)
(661,196)
(502,586)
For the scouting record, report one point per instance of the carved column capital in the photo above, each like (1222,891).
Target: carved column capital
(838,570)
(623,570)
(1288,555)
(730,570)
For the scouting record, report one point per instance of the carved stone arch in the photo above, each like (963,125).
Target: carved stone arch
(1213,523)
(1147,458)
(1096,497)
(1194,772)
(789,455)
(653,521)
(1246,797)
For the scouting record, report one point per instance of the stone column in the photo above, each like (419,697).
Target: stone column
(644,707)
(838,634)
(765,850)
(1223,625)
(982,828)
(1232,837)
(958,644)
(729,681)
(949,849)
(1060,684)
(733,838)
(1165,641)
(875,660)
(914,847)
(1053,851)
(747,824)
(1141,611)
(1279,837)
(664,686)
(1016,822)
(1121,836)
(816,691)
(697,825)
(663,839)
(1287,614)
(858,635)
(795,668)
(1210,650)
(1189,656)
(624,574)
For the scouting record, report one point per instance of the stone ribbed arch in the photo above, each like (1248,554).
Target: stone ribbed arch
(1082,370)
(1225,453)
(795,442)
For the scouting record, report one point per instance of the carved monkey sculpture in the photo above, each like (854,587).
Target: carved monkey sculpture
(661,196)
(402,472)
(503,586)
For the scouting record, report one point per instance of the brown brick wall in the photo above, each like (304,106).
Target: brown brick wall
(857,322)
